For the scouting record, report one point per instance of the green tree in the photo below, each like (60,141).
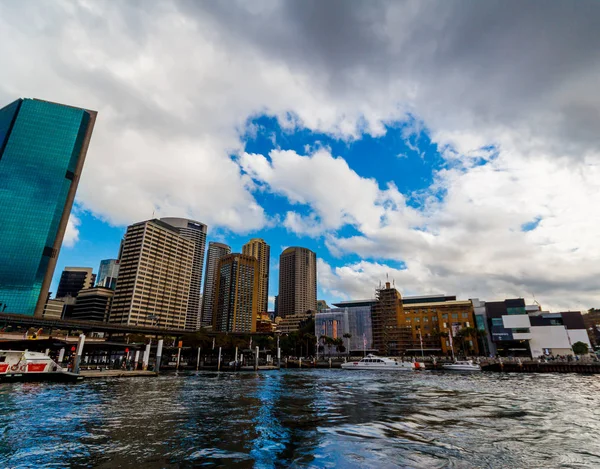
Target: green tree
(580,348)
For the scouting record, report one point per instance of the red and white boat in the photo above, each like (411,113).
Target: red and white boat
(17,365)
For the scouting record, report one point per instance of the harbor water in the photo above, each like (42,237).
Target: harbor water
(305,418)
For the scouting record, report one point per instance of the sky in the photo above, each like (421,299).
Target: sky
(450,146)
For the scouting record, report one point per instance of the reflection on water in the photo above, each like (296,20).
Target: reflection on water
(304,418)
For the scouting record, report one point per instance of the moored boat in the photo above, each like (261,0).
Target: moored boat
(465,365)
(373,362)
(24,366)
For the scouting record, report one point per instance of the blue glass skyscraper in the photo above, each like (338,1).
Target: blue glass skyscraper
(42,150)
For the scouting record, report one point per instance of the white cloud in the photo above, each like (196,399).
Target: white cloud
(72,232)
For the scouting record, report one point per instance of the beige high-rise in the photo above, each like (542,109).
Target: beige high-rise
(236,308)
(297,281)
(261,251)
(155,276)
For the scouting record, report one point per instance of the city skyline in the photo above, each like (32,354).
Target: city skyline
(454,169)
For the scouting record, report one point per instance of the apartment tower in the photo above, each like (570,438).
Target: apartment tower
(155,277)
(215,252)
(196,232)
(261,251)
(236,305)
(42,150)
(297,281)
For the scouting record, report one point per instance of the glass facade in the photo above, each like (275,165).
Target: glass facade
(41,144)
(355,321)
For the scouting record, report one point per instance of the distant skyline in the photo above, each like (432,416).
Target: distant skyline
(451,145)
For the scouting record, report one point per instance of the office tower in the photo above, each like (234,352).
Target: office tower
(53,309)
(261,251)
(195,232)
(42,151)
(108,273)
(236,306)
(155,276)
(215,252)
(93,304)
(297,281)
(74,279)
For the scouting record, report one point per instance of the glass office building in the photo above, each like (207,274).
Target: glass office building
(355,321)
(42,150)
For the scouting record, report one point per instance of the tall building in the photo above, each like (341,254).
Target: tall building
(74,279)
(236,305)
(297,281)
(195,232)
(108,273)
(155,276)
(390,336)
(42,150)
(215,252)
(93,304)
(260,250)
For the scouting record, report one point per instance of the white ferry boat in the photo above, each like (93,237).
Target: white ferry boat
(465,365)
(373,362)
(17,365)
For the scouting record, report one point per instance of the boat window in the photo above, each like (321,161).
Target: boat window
(2,359)
(380,361)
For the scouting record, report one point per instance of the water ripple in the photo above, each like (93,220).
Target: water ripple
(304,419)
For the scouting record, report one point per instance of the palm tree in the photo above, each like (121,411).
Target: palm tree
(348,336)
(339,345)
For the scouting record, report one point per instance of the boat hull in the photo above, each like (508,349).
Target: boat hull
(50,376)
(461,368)
(377,368)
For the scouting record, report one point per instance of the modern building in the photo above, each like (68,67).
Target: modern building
(522,330)
(74,279)
(54,309)
(155,276)
(297,281)
(42,150)
(215,252)
(196,232)
(260,250)
(356,321)
(236,298)
(93,304)
(108,273)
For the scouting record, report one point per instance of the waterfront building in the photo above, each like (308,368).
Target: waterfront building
(260,250)
(93,304)
(108,273)
(42,150)
(292,322)
(524,330)
(196,232)
(155,276)
(440,322)
(297,281)
(390,335)
(403,323)
(354,320)
(53,309)
(236,297)
(74,279)
(215,252)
